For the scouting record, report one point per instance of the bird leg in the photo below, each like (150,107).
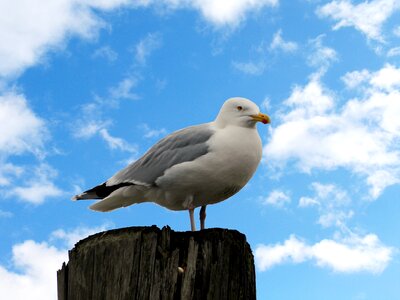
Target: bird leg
(203,217)
(192,223)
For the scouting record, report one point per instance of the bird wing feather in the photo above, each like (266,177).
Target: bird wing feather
(181,146)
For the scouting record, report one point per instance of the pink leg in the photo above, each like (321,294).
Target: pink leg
(203,217)
(192,223)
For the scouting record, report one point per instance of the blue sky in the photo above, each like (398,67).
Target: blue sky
(88,86)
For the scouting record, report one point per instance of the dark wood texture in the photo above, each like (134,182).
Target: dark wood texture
(149,263)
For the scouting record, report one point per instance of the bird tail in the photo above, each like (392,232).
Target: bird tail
(114,201)
(100,191)
(114,196)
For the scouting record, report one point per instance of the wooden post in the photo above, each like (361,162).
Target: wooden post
(149,263)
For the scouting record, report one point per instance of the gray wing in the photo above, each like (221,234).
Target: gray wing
(181,146)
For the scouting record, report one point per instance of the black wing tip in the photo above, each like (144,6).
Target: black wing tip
(84,196)
(100,192)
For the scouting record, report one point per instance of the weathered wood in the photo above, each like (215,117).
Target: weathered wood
(147,263)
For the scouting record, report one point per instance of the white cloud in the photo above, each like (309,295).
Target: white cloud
(224,13)
(266,104)
(393,52)
(361,135)
(219,13)
(355,78)
(308,202)
(124,89)
(146,46)
(278,43)
(277,198)
(329,193)
(70,238)
(321,56)
(353,254)
(22,130)
(293,250)
(31,273)
(90,118)
(332,204)
(117,143)
(381,179)
(87,129)
(30,28)
(38,188)
(348,255)
(107,5)
(309,101)
(334,218)
(99,128)
(5,214)
(91,121)
(8,170)
(368,17)
(250,68)
(36,192)
(396,31)
(152,133)
(36,279)
(105,52)
(387,78)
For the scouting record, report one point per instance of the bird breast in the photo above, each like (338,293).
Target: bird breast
(233,156)
(240,149)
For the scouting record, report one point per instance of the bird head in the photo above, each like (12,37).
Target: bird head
(241,112)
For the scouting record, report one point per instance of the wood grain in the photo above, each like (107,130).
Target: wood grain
(142,263)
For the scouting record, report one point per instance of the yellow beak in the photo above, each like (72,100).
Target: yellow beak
(261,118)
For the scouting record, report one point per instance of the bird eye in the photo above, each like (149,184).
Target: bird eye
(239,108)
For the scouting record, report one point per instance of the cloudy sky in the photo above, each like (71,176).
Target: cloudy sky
(87,86)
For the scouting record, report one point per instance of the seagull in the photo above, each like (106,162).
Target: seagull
(192,167)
